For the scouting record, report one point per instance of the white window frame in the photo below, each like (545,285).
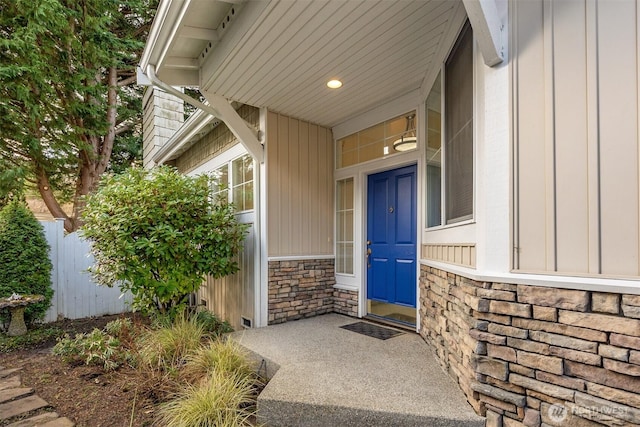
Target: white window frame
(443,196)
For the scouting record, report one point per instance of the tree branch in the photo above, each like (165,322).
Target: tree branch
(127,81)
(123,128)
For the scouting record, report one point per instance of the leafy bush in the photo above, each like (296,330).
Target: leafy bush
(220,400)
(119,327)
(25,267)
(220,356)
(165,349)
(157,234)
(94,348)
(212,324)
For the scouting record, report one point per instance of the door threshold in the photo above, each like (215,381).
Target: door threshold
(390,322)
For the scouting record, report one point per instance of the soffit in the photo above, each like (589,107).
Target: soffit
(280,54)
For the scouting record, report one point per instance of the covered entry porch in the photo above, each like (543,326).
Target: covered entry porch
(325,375)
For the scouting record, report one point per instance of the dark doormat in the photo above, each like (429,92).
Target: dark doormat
(371,330)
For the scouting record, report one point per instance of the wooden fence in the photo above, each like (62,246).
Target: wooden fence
(75,294)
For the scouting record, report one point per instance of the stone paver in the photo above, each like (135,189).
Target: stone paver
(59,422)
(14,393)
(11,382)
(6,372)
(16,401)
(21,406)
(35,421)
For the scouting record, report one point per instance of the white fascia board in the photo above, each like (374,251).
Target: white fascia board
(194,124)
(236,124)
(487,29)
(163,29)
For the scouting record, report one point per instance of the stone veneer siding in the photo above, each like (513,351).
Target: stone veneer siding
(516,350)
(345,302)
(300,288)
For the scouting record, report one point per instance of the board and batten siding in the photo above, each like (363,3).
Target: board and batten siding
(576,96)
(300,189)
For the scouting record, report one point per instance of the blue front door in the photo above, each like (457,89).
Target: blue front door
(391,236)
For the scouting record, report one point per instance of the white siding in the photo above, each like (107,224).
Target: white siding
(575,98)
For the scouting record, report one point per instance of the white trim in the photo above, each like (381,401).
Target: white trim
(487,27)
(226,156)
(299,257)
(263,306)
(386,111)
(347,288)
(623,286)
(192,127)
(236,124)
(219,107)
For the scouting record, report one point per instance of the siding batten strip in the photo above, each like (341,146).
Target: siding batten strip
(638,117)
(593,137)
(549,139)
(515,215)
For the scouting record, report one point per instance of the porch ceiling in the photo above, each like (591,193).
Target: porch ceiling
(280,54)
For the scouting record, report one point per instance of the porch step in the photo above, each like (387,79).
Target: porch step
(277,413)
(324,375)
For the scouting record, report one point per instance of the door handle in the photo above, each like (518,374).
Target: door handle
(368,260)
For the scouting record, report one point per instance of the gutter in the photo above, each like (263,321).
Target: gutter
(224,111)
(193,126)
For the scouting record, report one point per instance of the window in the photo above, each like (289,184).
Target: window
(344,226)
(242,184)
(377,141)
(220,185)
(450,153)
(238,185)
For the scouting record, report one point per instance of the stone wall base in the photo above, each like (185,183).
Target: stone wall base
(535,356)
(345,302)
(299,289)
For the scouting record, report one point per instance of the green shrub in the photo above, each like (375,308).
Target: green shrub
(94,348)
(165,349)
(224,356)
(25,267)
(157,234)
(220,400)
(212,324)
(119,327)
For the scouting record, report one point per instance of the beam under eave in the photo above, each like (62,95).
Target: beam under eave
(218,107)
(181,63)
(198,33)
(236,125)
(487,28)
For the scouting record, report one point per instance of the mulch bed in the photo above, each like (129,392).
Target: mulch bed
(85,394)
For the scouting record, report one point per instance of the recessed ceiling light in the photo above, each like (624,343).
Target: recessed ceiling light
(334,84)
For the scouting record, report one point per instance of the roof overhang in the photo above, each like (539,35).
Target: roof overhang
(280,54)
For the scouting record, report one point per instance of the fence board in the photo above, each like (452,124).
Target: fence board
(75,294)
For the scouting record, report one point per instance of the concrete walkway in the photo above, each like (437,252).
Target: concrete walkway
(323,375)
(19,407)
